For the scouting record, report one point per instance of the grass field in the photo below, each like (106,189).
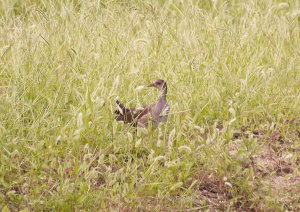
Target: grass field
(232,142)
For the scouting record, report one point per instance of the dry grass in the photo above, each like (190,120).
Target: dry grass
(231,143)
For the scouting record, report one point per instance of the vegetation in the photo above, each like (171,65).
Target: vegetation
(231,143)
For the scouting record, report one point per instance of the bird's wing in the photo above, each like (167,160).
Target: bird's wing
(133,114)
(143,120)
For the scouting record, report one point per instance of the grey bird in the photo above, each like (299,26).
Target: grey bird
(155,113)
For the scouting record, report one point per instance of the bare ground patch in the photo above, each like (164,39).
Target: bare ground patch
(276,178)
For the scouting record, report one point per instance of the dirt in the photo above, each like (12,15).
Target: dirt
(275,168)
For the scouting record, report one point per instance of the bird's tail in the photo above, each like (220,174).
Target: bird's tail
(121,110)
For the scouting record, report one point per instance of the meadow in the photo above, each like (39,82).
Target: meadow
(232,141)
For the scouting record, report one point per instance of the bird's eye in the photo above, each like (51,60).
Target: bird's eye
(158,83)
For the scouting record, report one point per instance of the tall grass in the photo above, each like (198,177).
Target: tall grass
(232,69)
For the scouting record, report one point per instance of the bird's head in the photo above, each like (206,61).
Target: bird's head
(160,85)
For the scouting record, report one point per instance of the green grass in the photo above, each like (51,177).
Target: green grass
(231,143)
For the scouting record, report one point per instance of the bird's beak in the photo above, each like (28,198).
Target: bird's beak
(151,85)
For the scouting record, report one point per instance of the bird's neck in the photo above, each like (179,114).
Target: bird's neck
(163,92)
(162,98)
(160,105)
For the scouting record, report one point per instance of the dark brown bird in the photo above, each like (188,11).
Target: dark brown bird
(156,113)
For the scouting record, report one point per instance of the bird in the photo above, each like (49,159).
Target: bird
(156,113)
